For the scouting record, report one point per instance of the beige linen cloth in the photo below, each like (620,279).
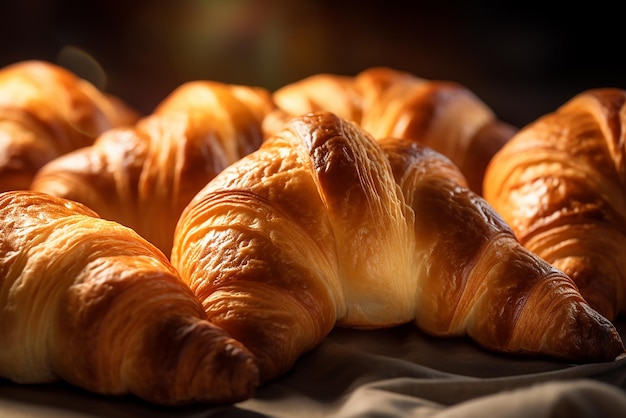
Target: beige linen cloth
(397,372)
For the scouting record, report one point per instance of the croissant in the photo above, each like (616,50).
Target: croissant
(143,176)
(90,302)
(441,115)
(47,111)
(561,184)
(323,226)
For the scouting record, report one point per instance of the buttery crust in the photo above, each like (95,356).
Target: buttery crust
(325,226)
(90,302)
(143,176)
(441,115)
(560,183)
(47,111)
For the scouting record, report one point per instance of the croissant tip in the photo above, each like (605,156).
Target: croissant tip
(620,357)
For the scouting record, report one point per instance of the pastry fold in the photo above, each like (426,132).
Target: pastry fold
(90,302)
(47,111)
(144,175)
(324,226)
(442,115)
(561,185)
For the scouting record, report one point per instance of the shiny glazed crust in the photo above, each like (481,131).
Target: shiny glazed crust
(325,226)
(90,302)
(143,176)
(561,184)
(47,111)
(441,115)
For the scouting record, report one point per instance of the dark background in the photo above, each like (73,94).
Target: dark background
(522,60)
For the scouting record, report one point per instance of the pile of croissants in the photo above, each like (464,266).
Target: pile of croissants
(192,254)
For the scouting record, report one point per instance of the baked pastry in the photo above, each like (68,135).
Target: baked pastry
(324,226)
(47,111)
(143,176)
(90,302)
(441,115)
(561,185)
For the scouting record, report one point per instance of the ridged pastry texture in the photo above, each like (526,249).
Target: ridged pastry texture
(90,302)
(47,111)
(442,115)
(561,185)
(143,176)
(324,226)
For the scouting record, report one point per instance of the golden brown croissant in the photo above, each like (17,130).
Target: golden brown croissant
(143,176)
(561,184)
(89,301)
(47,111)
(323,226)
(441,115)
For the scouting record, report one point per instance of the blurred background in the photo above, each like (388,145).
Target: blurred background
(522,60)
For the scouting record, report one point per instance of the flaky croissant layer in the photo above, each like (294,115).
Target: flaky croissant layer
(47,111)
(561,184)
(90,302)
(143,176)
(325,226)
(441,115)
